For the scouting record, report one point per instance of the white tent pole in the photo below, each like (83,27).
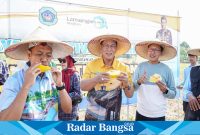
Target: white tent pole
(127,21)
(9,21)
(178,65)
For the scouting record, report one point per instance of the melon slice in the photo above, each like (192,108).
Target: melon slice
(155,78)
(114,73)
(44,68)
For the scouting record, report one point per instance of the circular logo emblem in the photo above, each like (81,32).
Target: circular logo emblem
(100,22)
(48,16)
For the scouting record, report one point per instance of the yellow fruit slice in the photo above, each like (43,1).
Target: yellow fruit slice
(155,78)
(44,68)
(1,89)
(114,73)
(113,82)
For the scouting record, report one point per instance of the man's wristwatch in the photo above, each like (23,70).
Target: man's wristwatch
(61,87)
(138,83)
(166,91)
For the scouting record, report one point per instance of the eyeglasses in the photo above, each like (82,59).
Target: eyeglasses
(154,50)
(112,46)
(62,60)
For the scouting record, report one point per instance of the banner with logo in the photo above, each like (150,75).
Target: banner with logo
(77,25)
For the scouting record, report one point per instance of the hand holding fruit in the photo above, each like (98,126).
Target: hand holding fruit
(123,77)
(31,73)
(102,77)
(155,78)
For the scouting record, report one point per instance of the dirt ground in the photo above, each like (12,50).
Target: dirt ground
(174,111)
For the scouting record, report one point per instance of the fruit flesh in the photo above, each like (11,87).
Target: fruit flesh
(44,68)
(113,82)
(155,78)
(114,73)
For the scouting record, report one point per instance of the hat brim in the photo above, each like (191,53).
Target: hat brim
(195,52)
(169,52)
(123,44)
(19,50)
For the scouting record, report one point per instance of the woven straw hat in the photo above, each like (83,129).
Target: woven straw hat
(168,52)
(123,44)
(19,50)
(195,52)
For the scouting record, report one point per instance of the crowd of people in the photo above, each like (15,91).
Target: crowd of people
(34,94)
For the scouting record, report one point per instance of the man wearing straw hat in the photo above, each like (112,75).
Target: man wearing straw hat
(193,62)
(31,93)
(192,90)
(153,80)
(104,102)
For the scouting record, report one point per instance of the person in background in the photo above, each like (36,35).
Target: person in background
(193,62)
(71,79)
(4,73)
(192,91)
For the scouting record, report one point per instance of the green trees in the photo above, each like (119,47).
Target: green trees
(184,47)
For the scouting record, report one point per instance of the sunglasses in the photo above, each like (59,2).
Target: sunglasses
(62,60)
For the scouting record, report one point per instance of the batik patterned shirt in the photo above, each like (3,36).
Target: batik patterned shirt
(104,105)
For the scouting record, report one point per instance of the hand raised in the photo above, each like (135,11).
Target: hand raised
(142,78)
(31,74)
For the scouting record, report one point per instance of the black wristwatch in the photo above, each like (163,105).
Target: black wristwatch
(60,88)
(166,91)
